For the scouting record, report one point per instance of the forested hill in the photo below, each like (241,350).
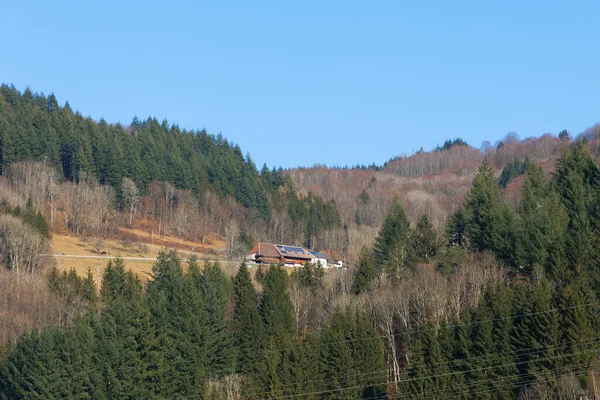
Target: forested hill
(35,127)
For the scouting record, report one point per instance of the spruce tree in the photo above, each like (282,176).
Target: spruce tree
(417,380)
(424,240)
(482,371)
(538,328)
(436,366)
(89,290)
(500,303)
(337,366)
(128,352)
(576,183)
(367,354)
(216,290)
(114,280)
(461,353)
(365,272)
(392,245)
(543,222)
(276,307)
(489,219)
(578,336)
(179,317)
(247,323)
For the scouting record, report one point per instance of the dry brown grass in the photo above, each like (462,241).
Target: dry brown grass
(70,244)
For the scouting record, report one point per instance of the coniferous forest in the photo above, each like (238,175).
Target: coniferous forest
(500,302)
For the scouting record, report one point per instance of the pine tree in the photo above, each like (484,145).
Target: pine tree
(365,272)
(417,381)
(392,245)
(89,290)
(576,183)
(489,220)
(367,354)
(114,280)
(215,288)
(543,222)
(578,336)
(424,240)
(179,318)
(500,304)
(276,307)
(128,352)
(247,323)
(538,332)
(337,366)
(436,366)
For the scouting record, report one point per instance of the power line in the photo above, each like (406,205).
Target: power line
(472,323)
(470,359)
(592,351)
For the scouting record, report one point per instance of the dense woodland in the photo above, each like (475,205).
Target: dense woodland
(495,296)
(52,155)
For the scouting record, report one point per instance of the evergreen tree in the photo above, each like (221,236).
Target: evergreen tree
(490,220)
(367,353)
(215,288)
(482,371)
(538,332)
(424,240)
(89,290)
(461,353)
(392,245)
(303,375)
(351,360)
(417,381)
(576,183)
(276,307)
(456,228)
(128,353)
(178,315)
(578,336)
(309,276)
(436,366)
(543,222)
(500,304)
(365,272)
(247,324)
(114,280)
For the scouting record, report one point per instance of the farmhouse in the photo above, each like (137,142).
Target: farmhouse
(320,259)
(269,253)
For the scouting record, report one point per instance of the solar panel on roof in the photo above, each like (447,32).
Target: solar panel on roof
(294,249)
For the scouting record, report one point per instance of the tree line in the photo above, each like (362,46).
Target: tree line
(117,166)
(190,333)
(503,303)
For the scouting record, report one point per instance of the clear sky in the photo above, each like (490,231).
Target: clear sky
(328,82)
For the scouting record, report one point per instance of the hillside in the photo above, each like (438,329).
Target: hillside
(462,260)
(190,184)
(433,183)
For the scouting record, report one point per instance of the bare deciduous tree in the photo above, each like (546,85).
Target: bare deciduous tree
(35,180)
(131,196)
(21,247)
(26,302)
(302,300)
(87,205)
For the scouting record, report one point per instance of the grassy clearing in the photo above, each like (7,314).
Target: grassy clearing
(131,243)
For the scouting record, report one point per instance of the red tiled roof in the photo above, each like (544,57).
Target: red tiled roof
(271,250)
(265,250)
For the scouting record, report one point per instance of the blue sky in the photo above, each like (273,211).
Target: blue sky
(328,82)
